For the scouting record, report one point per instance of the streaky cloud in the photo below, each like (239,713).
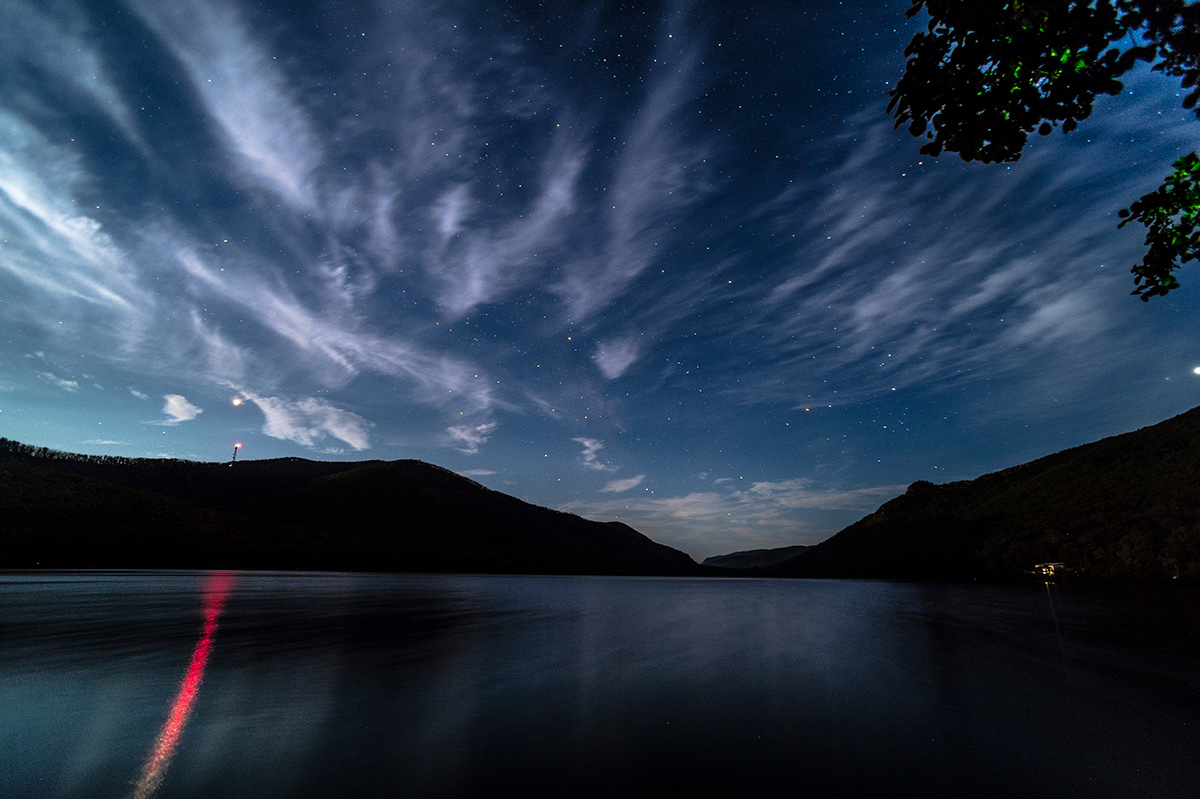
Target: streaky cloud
(244,90)
(52,246)
(656,177)
(620,486)
(70,386)
(469,438)
(308,420)
(479,264)
(337,352)
(590,457)
(899,283)
(60,42)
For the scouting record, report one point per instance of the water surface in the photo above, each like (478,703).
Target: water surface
(175,684)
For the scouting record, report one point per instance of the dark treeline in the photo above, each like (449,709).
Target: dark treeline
(60,510)
(17,449)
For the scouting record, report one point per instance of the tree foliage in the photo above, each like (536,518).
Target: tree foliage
(1171,214)
(987,73)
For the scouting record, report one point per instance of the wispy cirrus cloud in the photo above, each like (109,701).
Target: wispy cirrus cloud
(58,43)
(656,177)
(52,246)
(71,386)
(469,438)
(936,272)
(476,265)
(590,456)
(620,486)
(226,361)
(245,92)
(333,346)
(309,420)
(801,493)
(319,299)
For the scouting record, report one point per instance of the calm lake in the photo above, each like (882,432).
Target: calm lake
(180,684)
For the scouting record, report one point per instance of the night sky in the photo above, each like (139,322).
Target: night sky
(668,264)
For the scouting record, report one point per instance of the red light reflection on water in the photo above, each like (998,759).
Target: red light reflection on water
(216,589)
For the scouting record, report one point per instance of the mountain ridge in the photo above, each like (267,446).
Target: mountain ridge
(753,559)
(64,510)
(1124,508)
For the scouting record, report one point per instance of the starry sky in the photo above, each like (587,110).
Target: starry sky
(662,263)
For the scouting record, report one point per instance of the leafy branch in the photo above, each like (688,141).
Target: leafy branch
(1171,214)
(987,73)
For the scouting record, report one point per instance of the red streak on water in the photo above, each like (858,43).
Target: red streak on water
(215,592)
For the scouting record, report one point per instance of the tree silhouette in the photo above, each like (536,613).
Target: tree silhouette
(987,73)
(1171,214)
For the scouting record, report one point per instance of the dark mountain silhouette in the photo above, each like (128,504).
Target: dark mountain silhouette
(59,510)
(753,559)
(1126,508)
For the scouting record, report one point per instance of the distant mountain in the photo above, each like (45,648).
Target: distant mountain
(1125,508)
(66,511)
(752,559)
